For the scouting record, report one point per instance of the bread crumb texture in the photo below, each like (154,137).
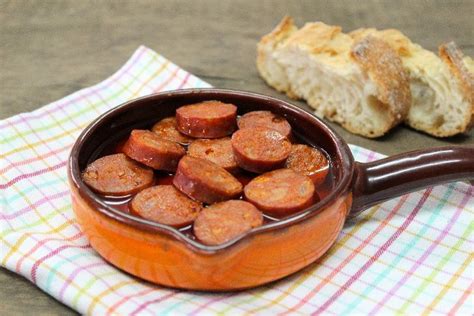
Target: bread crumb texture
(368,80)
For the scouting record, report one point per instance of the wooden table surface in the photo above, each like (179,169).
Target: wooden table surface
(49,49)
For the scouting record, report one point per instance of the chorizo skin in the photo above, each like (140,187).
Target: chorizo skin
(259,149)
(280,192)
(218,151)
(209,119)
(225,221)
(265,119)
(308,161)
(153,151)
(205,181)
(166,205)
(166,128)
(117,175)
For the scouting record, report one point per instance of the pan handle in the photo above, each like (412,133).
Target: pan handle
(381,180)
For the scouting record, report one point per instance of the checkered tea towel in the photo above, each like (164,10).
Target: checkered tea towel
(410,255)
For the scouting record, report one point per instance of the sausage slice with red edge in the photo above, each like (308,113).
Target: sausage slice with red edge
(260,149)
(280,192)
(153,151)
(265,119)
(166,128)
(209,119)
(166,205)
(205,181)
(308,161)
(225,221)
(218,151)
(117,175)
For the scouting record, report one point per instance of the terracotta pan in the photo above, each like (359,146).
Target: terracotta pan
(165,256)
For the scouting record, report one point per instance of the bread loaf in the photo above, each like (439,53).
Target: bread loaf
(368,80)
(441,88)
(358,84)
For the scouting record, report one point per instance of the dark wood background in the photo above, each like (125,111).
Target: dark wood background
(49,49)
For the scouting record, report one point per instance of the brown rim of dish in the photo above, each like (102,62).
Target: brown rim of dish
(342,151)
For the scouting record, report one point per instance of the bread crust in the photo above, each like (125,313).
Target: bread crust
(454,58)
(268,43)
(280,32)
(399,42)
(385,68)
(371,58)
(427,67)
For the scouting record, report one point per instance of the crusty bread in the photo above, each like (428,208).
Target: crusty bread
(462,67)
(361,84)
(274,73)
(441,88)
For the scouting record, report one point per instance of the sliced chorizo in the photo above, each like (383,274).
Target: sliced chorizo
(259,149)
(218,151)
(308,161)
(209,119)
(205,181)
(222,222)
(280,192)
(164,204)
(166,128)
(117,175)
(151,150)
(265,119)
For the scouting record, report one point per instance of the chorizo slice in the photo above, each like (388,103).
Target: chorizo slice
(280,192)
(265,119)
(205,181)
(308,161)
(218,151)
(117,175)
(209,119)
(164,204)
(259,149)
(166,128)
(153,151)
(225,221)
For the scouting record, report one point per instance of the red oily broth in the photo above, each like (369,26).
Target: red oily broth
(166,178)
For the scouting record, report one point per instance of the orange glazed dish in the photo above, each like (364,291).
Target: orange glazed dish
(222,190)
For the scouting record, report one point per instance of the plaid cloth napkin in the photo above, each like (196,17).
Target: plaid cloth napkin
(411,255)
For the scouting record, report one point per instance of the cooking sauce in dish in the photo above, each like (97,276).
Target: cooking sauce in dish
(165,178)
